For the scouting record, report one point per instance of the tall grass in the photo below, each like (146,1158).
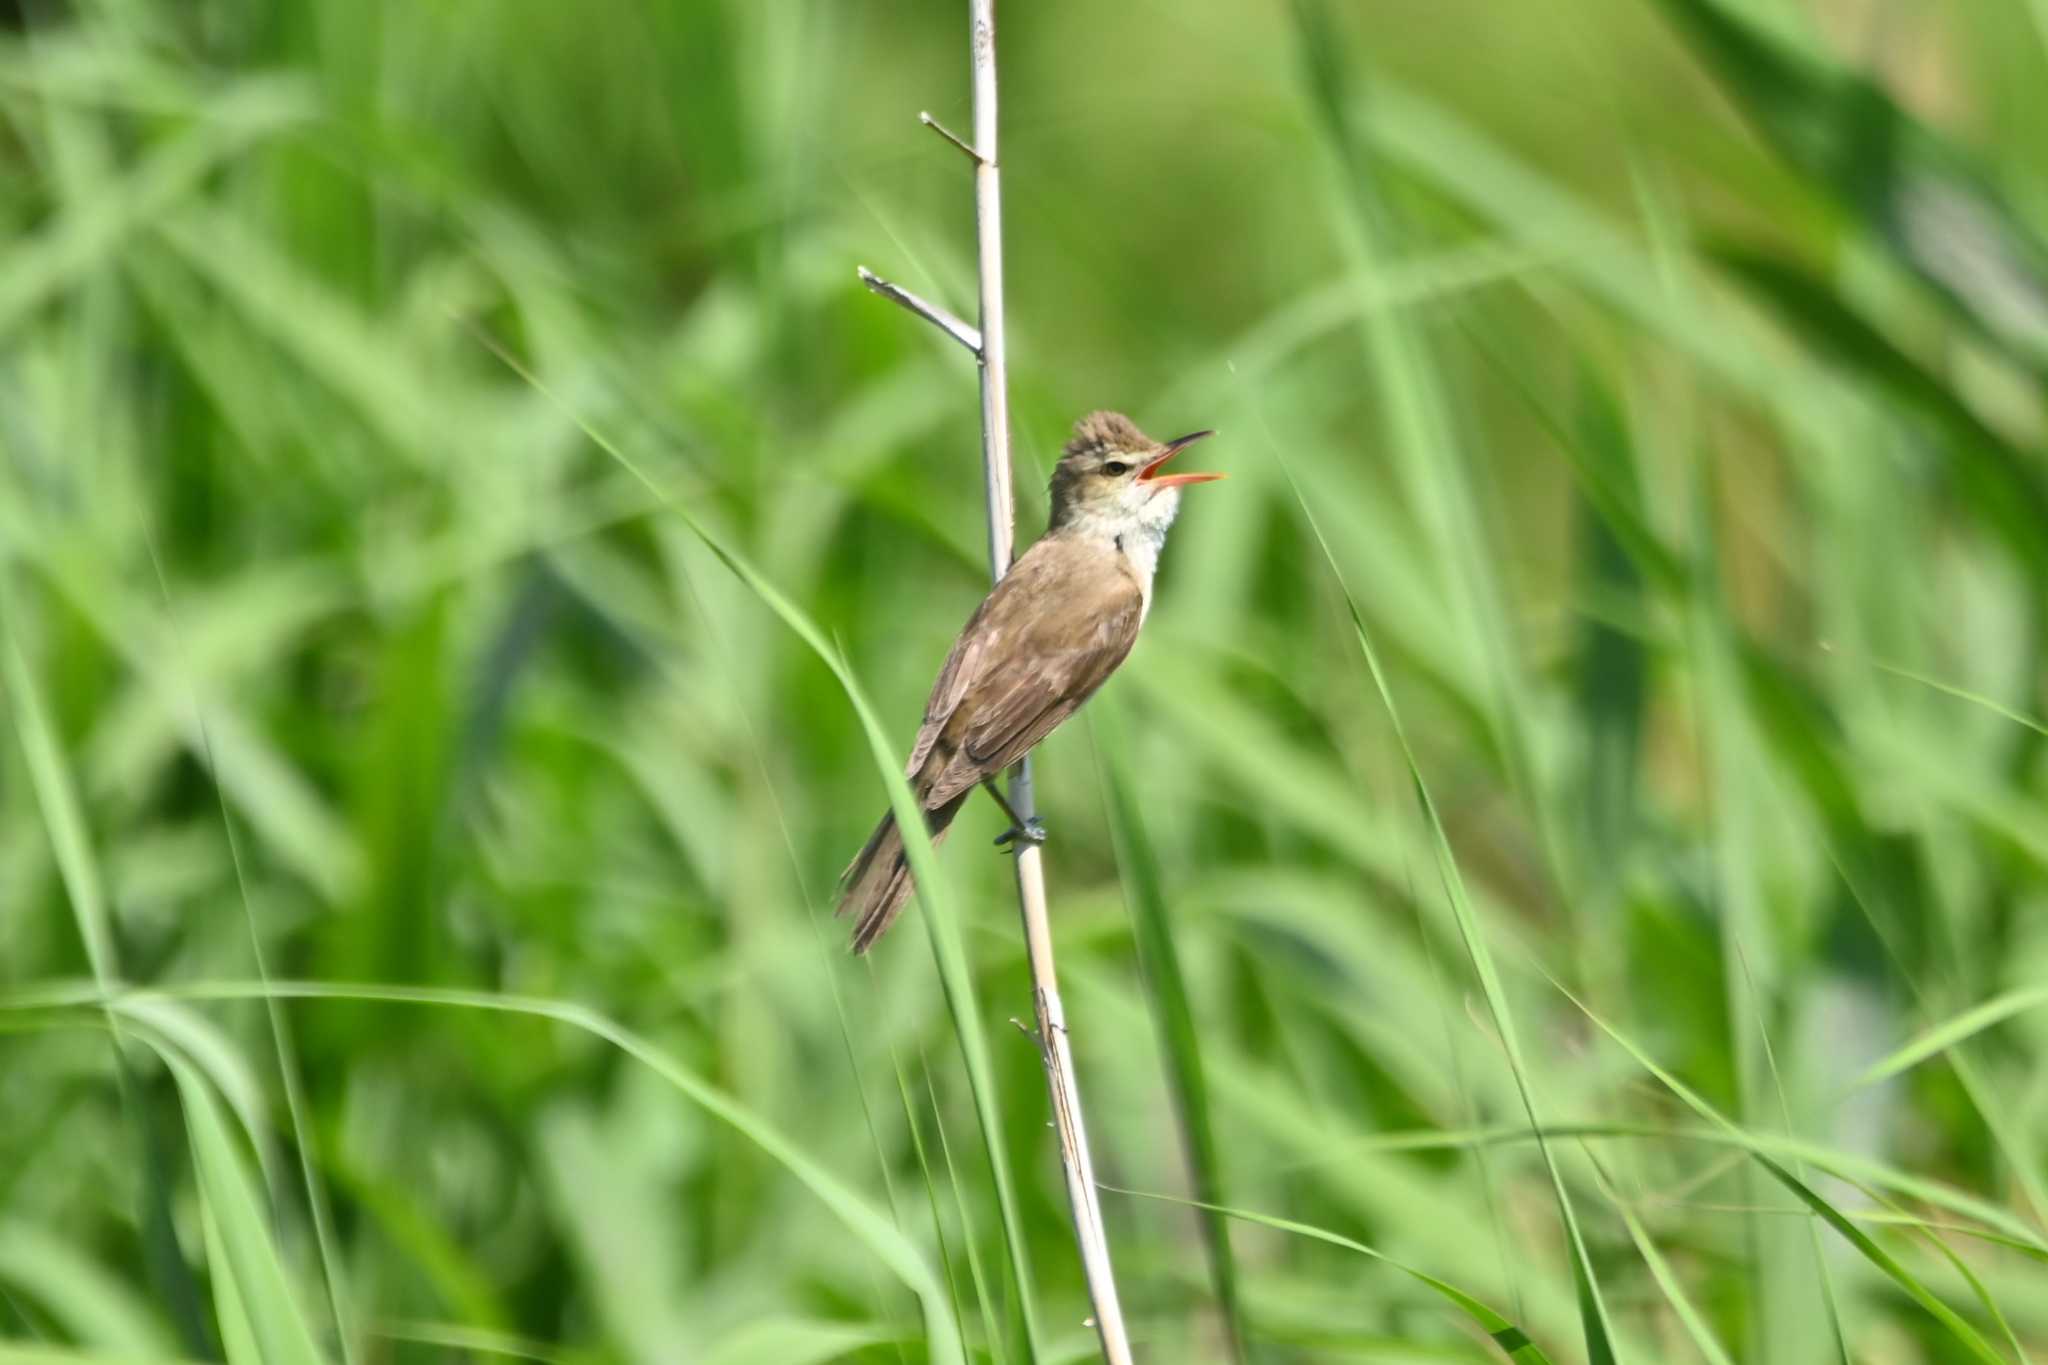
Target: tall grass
(1657,389)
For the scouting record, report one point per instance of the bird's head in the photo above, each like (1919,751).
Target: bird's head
(1112,476)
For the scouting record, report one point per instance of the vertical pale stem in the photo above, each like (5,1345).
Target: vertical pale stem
(1089,1231)
(988,218)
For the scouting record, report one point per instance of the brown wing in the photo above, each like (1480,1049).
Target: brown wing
(1009,603)
(963,666)
(1052,631)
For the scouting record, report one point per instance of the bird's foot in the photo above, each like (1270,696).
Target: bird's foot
(1031,832)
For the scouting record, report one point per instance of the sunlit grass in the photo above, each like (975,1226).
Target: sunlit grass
(461,519)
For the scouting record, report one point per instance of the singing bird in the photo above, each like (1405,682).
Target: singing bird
(1046,636)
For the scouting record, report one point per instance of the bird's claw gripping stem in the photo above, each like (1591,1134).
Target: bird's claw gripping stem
(1023,830)
(1031,832)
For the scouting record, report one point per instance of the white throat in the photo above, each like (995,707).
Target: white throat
(1137,530)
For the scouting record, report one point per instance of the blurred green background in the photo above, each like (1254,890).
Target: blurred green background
(1664,380)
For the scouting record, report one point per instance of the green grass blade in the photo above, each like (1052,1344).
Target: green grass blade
(213,1053)
(334,343)
(238,1341)
(14,1354)
(83,1298)
(88,232)
(1838,1334)
(249,1267)
(1950,1032)
(1999,1225)
(480,1342)
(1915,192)
(427,1251)
(793,1341)
(1670,400)
(2000,483)
(872,1227)
(1960,1330)
(940,924)
(931,1188)
(1976,1284)
(64,823)
(1599,1330)
(58,798)
(276,799)
(1166,991)
(1991,704)
(1421,434)
(1504,1334)
(1687,1312)
(1613,665)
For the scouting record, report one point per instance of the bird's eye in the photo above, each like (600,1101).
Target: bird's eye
(1116,469)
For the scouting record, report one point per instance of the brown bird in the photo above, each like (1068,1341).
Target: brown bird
(1046,636)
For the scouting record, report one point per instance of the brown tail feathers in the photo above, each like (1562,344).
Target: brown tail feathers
(878,881)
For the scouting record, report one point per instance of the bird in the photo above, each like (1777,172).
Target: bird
(1045,638)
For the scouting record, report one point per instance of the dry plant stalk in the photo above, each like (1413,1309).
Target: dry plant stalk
(986,345)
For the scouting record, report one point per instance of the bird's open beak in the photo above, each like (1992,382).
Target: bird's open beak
(1150,473)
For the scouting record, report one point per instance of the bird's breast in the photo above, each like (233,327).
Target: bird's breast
(1140,545)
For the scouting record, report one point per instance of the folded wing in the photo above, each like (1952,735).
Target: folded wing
(1050,633)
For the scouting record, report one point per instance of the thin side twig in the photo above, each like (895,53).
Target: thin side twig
(931,312)
(947,133)
(1054,1049)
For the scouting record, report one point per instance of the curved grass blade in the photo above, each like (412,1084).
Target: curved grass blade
(875,1230)
(64,822)
(956,982)
(1950,1032)
(1419,418)
(1991,704)
(1422,434)
(1977,1287)
(1166,991)
(997,1354)
(237,1334)
(794,1341)
(480,1343)
(213,1052)
(1593,1310)
(57,796)
(1999,1227)
(1956,1326)
(1703,1338)
(1837,1333)
(84,1299)
(249,1276)
(1505,1334)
